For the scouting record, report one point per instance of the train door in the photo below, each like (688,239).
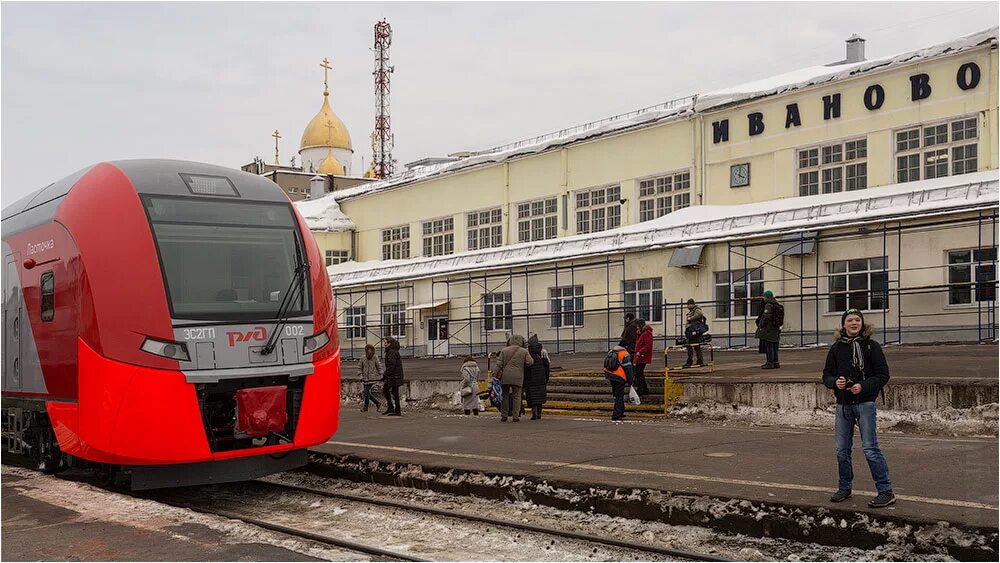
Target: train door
(437,336)
(11,325)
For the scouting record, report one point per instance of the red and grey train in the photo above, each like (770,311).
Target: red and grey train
(170,322)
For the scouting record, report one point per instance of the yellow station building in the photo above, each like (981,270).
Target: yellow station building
(863,183)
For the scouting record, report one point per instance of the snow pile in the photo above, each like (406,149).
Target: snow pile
(977,421)
(703,224)
(811,76)
(324,214)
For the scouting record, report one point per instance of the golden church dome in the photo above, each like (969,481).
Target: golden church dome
(331,165)
(317,134)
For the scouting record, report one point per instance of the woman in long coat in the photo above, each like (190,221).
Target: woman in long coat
(470,381)
(536,378)
(393,377)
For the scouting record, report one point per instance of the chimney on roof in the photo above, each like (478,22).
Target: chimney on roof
(855,49)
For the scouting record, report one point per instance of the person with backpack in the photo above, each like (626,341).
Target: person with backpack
(370,371)
(393,377)
(769,322)
(510,370)
(619,372)
(536,377)
(696,326)
(856,371)
(643,357)
(469,389)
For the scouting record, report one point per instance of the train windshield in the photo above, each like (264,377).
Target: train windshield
(227,260)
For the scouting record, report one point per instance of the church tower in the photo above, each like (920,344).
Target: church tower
(325,142)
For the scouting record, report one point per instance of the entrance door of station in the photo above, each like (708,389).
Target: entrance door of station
(437,336)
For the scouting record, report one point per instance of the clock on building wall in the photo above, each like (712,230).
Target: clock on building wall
(739,175)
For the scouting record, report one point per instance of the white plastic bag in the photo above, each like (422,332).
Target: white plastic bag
(456,398)
(633,396)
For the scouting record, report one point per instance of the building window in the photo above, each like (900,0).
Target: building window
(536,220)
(336,257)
(972,276)
(498,311)
(566,306)
(598,209)
(354,322)
(394,319)
(858,284)
(833,168)
(738,293)
(485,229)
(937,150)
(644,298)
(661,195)
(439,237)
(396,243)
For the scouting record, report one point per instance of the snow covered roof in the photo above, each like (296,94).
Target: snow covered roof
(703,224)
(673,109)
(324,214)
(814,75)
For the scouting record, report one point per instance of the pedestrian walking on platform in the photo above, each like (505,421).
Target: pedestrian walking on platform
(856,371)
(393,378)
(630,333)
(470,386)
(769,322)
(619,372)
(370,371)
(643,357)
(510,368)
(695,327)
(536,377)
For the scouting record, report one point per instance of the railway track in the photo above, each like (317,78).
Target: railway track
(260,493)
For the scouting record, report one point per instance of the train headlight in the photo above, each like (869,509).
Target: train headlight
(172,350)
(313,343)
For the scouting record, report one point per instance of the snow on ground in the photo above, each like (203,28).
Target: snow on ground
(98,505)
(687,538)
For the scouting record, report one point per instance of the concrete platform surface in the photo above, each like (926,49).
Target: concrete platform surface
(970,364)
(950,479)
(46,530)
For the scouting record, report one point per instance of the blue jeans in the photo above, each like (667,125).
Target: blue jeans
(862,414)
(369,396)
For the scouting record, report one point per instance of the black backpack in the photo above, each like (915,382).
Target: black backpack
(611,363)
(779,315)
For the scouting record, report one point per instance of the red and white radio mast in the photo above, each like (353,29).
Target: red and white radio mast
(382,161)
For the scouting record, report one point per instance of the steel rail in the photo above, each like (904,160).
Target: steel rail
(504,523)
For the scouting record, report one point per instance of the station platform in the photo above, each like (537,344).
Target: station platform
(934,478)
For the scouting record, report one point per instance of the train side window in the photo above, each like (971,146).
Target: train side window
(48,290)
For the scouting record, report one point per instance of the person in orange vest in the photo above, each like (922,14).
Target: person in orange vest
(619,373)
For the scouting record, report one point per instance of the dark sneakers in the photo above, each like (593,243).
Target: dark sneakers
(840,496)
(882,499)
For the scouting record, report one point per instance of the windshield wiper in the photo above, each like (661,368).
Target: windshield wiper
(284,308)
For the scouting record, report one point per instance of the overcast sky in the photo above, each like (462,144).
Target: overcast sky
(87,82)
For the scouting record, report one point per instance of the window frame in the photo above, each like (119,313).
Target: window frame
(752,283)
(817,171)
(341,256)
(558,313)
(608,211)
(493,229)
(394,321)
(973,270)
(664,200)
(655,304)
(355,331)
(916,146)
(398,239)
(47,297)
(532,222)
(439,240)
(847,274)
(491,301)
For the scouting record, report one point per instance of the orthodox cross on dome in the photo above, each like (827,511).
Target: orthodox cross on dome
(329,132)
(325,65)
(276,136)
